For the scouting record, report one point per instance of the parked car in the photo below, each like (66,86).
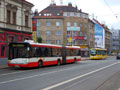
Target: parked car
(118,56)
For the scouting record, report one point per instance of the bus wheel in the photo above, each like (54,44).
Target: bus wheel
(58,63)
(40,64)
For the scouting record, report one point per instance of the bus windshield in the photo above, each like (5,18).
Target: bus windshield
(19,51)
(93,52)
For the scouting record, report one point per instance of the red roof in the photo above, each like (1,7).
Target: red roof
(49,17)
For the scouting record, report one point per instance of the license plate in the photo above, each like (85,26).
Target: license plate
(17,66)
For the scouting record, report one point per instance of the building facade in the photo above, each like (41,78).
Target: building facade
(107,37)
(102,36)
(99,35)
(15,24)
(65,25)
(115,41)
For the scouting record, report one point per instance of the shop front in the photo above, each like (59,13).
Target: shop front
(8,36)
(85,52)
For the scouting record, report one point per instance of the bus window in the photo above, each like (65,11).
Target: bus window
(93,52)
(18,51)
(78,52)
(38,52)
(46,52)
(98,52)
(56,52)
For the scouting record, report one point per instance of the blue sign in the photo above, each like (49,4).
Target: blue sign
(99,36)
(98,30)
(73,28)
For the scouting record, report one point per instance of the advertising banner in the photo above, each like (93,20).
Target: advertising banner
(99,36)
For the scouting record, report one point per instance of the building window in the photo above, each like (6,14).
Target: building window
(68,13)
(8,16)
(10,39)
(48,41)
(85,25)
(68,24)
(80,25)
(2,50)
(45,14)
(75,24)
(14,17)
(69,33)
(48,23)
(57,32)
(26,20)
(58,14)
(26,38)
(75,14)
(57,23)
(38,23)
(38,33)
(48,33)
(58,42)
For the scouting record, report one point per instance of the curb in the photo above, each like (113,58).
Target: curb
(84,59)
(3,67)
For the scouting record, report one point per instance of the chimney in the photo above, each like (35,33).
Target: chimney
(70,4)
(36,12)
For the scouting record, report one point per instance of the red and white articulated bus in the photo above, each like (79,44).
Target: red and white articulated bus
(30,54)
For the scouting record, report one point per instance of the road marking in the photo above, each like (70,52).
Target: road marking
(78,77)
(36,75)
(32,70)
(29,70)
(13,73)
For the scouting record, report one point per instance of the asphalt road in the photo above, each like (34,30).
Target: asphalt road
(85,75)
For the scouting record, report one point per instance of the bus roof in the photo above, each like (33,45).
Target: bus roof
(73,47)
(42,44)
(50,45)
(98,48)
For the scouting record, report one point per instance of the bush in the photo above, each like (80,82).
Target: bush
(39,39)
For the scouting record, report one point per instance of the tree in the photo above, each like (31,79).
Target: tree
(39,39)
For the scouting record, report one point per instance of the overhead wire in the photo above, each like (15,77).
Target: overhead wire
(112,10)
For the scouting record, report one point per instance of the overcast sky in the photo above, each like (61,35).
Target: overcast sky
(105,11)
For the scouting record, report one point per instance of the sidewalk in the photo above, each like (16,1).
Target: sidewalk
(85,58)
(2,66)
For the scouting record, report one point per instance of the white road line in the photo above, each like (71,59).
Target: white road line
(23,71)
(78,77)
(36,75)
(13,73)
(26,71)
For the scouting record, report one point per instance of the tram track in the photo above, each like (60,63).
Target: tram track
(106,81)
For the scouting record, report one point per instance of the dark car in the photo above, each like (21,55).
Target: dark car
(118,56)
